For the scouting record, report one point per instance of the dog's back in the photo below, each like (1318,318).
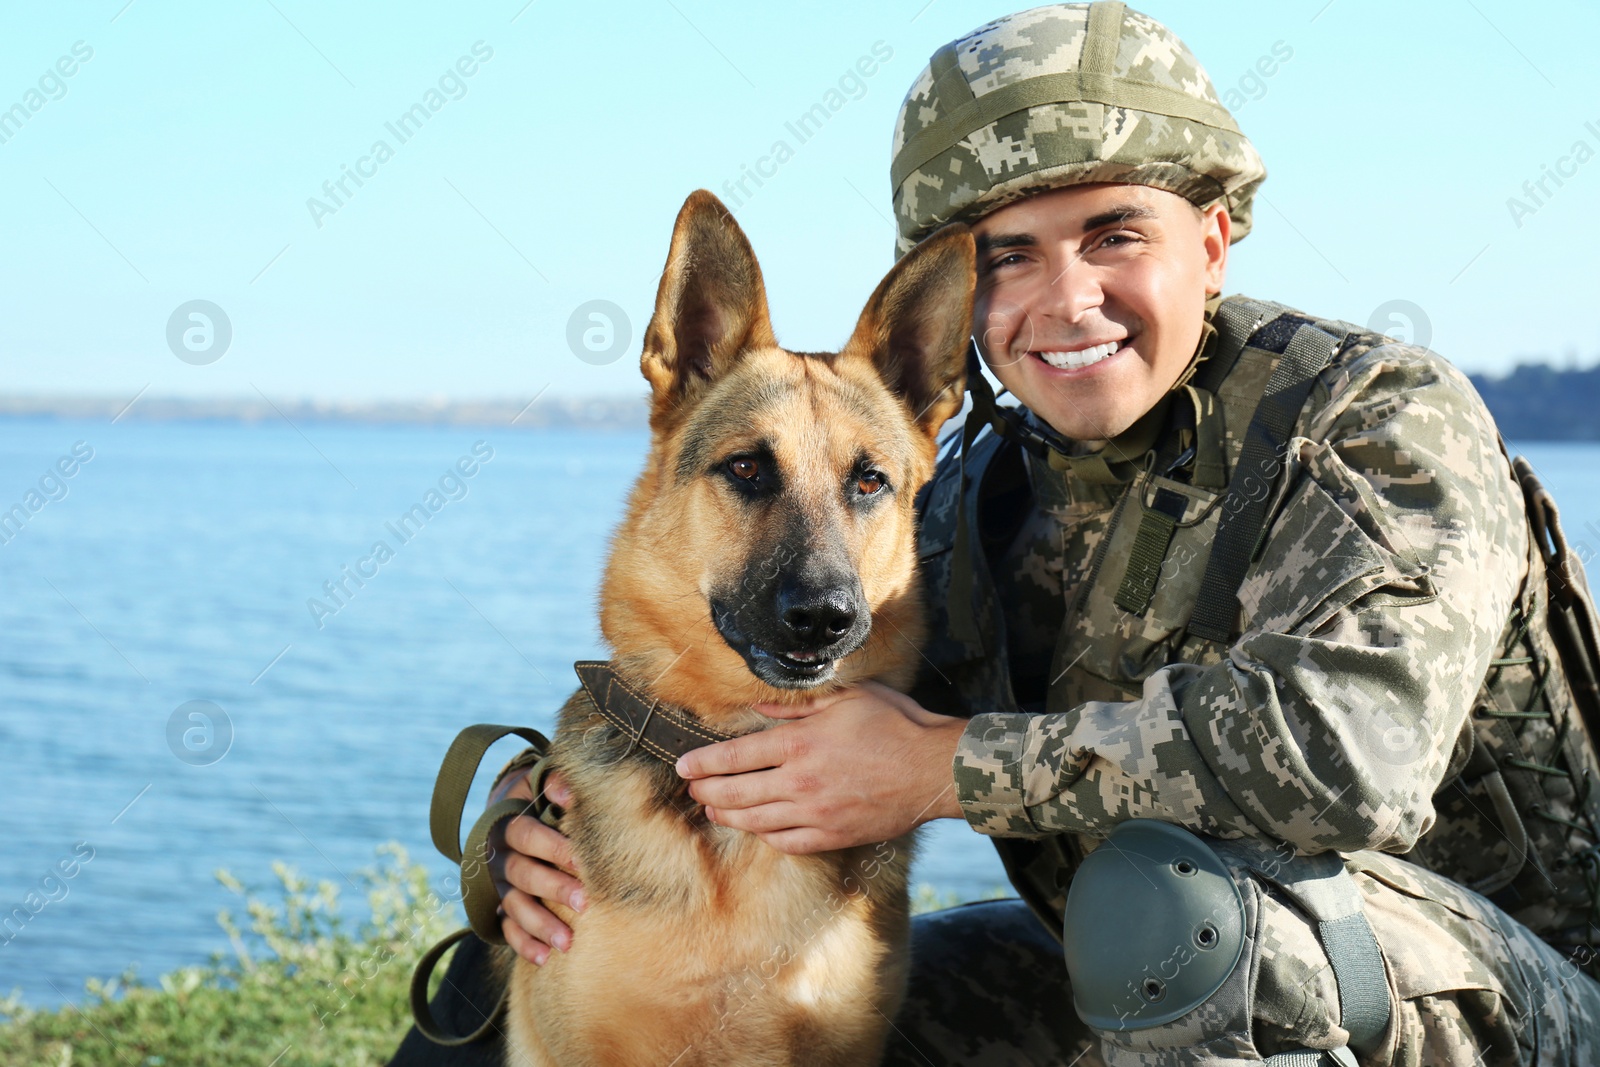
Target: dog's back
(768,555)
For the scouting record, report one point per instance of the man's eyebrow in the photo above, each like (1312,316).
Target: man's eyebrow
(1118,215)
(1112,217)
(989,242)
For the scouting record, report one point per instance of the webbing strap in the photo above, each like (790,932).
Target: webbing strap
(1159,520)
(950,86)
(1323,888)
(1150,543)
(1244,510)
(1358,969)
(456,772)
(1236,317)
(1313,1057)
(1210,461)
(963,623)
(1102,34)
(422,1015)
(479,894)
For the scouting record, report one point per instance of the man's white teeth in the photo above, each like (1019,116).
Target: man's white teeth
(1081,358)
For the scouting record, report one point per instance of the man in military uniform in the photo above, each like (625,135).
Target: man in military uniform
(1217,610)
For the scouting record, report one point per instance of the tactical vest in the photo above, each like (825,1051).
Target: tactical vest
(1516,817)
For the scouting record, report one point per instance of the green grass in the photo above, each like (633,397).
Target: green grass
(301,989)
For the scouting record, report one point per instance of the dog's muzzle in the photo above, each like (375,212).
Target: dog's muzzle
(794,637)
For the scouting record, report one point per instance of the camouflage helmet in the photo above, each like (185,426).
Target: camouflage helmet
(1062,95)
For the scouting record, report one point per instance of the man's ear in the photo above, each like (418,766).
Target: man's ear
(916,327)
(1216,234)
(711,306)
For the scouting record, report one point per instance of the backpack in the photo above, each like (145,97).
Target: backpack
(1517,820)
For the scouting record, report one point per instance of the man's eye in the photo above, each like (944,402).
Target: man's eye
(744,467)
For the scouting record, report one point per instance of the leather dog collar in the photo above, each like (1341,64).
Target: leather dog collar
(662,730)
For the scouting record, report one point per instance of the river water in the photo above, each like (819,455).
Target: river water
(176,563)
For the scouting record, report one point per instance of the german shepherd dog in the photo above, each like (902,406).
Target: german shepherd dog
(767,554)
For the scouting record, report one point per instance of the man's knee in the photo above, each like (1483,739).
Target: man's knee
(1369,952)
(1155,925)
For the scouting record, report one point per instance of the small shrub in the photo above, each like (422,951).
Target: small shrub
(301,988)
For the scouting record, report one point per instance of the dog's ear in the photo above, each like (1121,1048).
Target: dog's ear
(916,327)
(711,305)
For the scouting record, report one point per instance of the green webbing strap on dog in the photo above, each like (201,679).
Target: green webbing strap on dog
(422,1015)
(1244,511)
(479,894)
(456,772)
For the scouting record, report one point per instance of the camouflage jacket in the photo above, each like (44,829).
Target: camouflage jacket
(1391,574)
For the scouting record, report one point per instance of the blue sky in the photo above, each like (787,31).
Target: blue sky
(176,164)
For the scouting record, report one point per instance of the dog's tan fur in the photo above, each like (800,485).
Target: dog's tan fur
(703,945)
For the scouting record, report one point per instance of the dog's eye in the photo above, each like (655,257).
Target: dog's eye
(744,467)
(869,482)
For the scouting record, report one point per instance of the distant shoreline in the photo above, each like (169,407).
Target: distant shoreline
(592,413)
(1534,402)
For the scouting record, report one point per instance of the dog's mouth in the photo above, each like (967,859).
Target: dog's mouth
(797,668)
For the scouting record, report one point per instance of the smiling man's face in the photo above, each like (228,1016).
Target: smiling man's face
(1091,298)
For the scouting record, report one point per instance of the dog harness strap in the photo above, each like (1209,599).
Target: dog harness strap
(662,730)
(423,1016)
(480,896)
(456,773)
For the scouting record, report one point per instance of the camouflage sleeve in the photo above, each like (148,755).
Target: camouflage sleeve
(1391,564)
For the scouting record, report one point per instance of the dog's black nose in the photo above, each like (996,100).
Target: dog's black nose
(817,616)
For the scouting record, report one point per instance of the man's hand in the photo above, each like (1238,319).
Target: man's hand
(532,864)
(862,765)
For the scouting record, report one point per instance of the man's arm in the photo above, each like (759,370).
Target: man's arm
(1386,579)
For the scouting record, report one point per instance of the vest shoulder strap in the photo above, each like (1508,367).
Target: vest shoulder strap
(1305,349)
